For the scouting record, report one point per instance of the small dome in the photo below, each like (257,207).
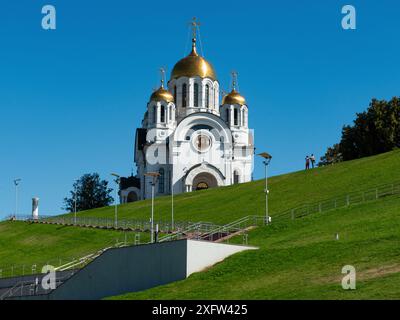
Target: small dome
(234,98)
(193,65)
(162,94)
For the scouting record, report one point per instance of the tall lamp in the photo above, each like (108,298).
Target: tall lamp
(267,159)
(16,183)
(153,176)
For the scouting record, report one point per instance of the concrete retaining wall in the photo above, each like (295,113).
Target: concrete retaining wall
(136,268)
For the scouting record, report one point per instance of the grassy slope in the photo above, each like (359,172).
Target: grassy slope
(22,243)
(301,260)
(226,204)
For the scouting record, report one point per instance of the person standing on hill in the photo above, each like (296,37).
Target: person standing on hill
(307,162)
(312,158)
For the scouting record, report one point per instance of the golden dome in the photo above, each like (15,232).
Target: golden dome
(193,65)
(162,94)
(234,98)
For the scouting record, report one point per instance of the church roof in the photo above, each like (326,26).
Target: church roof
(193,65)
(162,94)
(234,98)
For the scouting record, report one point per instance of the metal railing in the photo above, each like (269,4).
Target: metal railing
(341,201)
(234,227)
(194,230)
(106,223)
(33,286)
(66,263)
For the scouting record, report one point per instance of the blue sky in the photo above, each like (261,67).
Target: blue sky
(71,98)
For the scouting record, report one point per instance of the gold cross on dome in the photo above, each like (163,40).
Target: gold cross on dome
(162,72)
(194,23)
(234,79)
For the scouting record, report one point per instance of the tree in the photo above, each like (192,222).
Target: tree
(374,131)
(90,192)
(331,156)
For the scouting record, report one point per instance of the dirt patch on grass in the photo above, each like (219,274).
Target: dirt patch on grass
(364,274)
(379,272)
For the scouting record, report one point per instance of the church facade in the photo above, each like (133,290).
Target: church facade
(188,139)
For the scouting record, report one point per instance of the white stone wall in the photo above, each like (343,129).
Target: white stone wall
(203,254)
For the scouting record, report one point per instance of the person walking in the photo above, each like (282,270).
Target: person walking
(312,158)
(307,162)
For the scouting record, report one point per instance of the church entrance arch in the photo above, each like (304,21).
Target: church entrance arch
(132,197)
(204,180)
(204,176)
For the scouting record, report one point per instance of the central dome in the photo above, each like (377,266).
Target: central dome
(193,65)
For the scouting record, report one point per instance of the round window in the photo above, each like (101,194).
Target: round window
(202,142)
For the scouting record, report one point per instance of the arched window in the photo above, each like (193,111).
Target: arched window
(227,115)
(162,115)
(184,95)
(196,95)
(235,177)
(161,181)
(235,116)
(207,96)
(170,113)
(155,114)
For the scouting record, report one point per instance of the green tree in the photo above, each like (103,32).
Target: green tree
(331,156)
(90,192)
(374,131)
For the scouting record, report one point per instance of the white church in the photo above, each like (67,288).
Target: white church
(188,139)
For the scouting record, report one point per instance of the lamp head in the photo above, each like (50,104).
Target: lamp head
(153,175)
(265,155)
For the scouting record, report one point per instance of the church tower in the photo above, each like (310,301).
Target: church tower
(187,137)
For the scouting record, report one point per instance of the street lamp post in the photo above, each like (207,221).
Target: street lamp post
(75,200)
(267,159)
(172,202)
(153,176)
(117,181)
(16,183)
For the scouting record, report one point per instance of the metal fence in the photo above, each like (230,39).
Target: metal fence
(66,263)
(342,201)
(137,225)
(212,232)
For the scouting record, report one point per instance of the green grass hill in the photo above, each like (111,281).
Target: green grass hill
(301,259)
(297,259)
